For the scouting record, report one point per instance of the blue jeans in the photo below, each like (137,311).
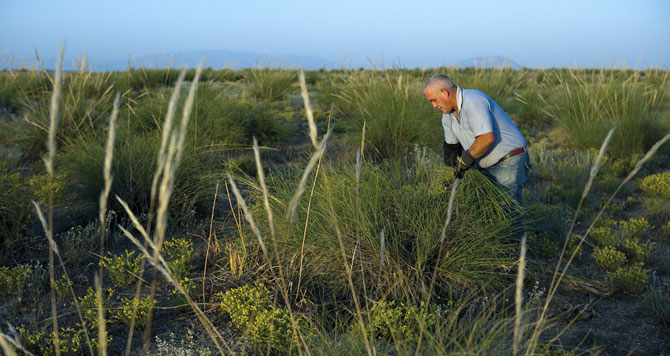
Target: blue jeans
(511,174)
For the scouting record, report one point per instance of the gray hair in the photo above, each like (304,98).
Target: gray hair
(440,81)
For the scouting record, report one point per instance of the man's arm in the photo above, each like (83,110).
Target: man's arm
(481,145)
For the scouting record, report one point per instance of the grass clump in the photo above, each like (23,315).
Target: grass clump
(392,107)
(658,300)
(608,258)
(656,185)
(125,312)
(630,279)
(586,105)
(15,210)
(272,84)
(123,269)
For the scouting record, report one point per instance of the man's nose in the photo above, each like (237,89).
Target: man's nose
(434,105)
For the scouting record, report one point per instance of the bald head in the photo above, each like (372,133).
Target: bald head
(438,82)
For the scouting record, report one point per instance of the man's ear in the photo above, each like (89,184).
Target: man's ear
(445,92)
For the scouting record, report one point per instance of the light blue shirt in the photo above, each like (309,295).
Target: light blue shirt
(479,114)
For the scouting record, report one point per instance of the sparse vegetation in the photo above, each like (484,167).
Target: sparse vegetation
(357,262)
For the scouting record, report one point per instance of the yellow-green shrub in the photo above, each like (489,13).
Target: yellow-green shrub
(630,279)
(666,229)
(608,258)
(573,243)
(251,310)
(635,227)
(89,306)
(72,341)
(62,287)
(180,255)
(603,236)
(125,312)
(122,269)
(178,299)
(656,185)
(637,252)
(42,185)
(403,323)
(12,279)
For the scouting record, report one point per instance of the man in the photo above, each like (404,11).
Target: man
(478,133)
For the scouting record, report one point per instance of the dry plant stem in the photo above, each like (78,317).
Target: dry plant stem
(6,348)
(53,247)
(304,232)
(162,156)
(209,239)
(308,109)
(107,173)
(247,214)
(554,287)
(172,160)
(48,162)
(293,205)
(518,300)
(102,331)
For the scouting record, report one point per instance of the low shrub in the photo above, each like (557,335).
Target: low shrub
(72,341)
(636,228)
(403,323)
(62,286)
(666,229)
(608,258)
(88,304)
(42,186)
(573,243)
(546,246)
(178,299)
(637,252)
(125,312)
(656,185)
(630,279)
(181,346)
(123,269)
(250,309)
(180,254)
(80,242)
(13,279)
(603,236)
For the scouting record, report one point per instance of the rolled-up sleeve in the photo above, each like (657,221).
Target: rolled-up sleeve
(479,116)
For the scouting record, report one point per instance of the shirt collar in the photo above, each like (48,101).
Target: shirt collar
(459,99)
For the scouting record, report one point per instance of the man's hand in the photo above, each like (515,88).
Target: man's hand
(465,162)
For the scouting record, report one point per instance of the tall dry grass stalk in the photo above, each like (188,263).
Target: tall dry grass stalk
(247,214)
(8,345)
(518,298)
(308,110)
(293,205)
(49,163)
(107,174)
(209,239)
(102,330)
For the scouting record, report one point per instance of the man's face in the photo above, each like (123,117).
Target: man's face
(439,98)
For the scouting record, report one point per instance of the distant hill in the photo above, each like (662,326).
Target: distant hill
(489,62)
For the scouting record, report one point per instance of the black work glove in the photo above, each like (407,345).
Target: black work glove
(451,153)
(465,162)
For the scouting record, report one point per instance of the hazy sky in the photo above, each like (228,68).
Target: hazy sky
(533,33)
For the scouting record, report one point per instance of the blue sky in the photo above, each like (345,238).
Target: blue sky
(537,34)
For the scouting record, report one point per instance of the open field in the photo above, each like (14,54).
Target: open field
(214,212)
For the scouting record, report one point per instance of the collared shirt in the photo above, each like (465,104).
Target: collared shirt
(479,114)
